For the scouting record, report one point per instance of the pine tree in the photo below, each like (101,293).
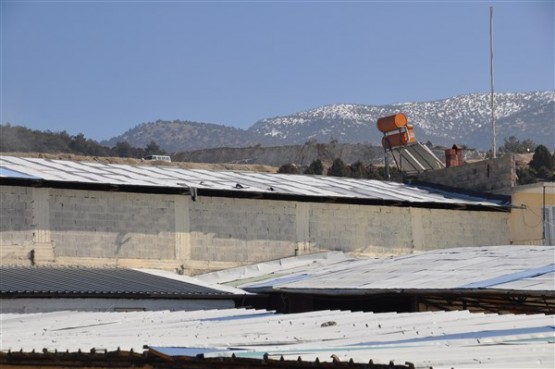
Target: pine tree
(288,169)
(542,162)
(339,169)
(358,170)
(315,168)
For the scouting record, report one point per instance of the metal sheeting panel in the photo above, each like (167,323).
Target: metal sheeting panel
(234,182)
(56,281)
(5,172)
(514,268)
(432,339)
(270,269)
(415,158)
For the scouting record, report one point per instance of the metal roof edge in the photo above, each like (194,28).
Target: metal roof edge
(349,200)
(506,199)
(407,291)
(31,182)
(119,295)
(106,187)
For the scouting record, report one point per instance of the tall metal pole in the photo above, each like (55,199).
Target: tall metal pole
(544,215)
(493,143)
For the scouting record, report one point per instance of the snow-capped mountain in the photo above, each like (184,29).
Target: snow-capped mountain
(464,119)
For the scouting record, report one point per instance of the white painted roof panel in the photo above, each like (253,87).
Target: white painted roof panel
(456,339)
(512,267)
(286,184)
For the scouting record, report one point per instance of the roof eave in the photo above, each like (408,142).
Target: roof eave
(246,194)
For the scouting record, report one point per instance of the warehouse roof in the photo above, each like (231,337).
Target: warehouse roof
(433,339)
(492,268)
(234,184)
(100,282)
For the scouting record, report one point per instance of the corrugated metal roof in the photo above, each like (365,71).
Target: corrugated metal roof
(92,282)
(433,339)
(310,263)
(192,280)
(235,182)
(514,268)
(164,359)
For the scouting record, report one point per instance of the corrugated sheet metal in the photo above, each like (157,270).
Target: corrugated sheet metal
(234,182)
(90,282)
(514,268)
(163,360)
(434,339)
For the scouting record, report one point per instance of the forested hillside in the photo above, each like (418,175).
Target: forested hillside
(22,139)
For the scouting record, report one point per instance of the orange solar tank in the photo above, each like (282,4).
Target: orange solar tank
(402,138)
(392,122)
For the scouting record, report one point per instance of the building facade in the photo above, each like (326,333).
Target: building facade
(202,229)
(532,221)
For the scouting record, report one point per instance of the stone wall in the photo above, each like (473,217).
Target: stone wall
(494,175)
(173,232)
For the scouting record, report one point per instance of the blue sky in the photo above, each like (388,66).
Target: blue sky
(102,67)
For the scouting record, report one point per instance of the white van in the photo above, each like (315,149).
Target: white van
(158,157)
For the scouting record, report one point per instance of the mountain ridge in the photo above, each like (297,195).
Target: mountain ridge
(462,119)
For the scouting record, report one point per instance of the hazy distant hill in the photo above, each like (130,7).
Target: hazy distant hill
(183,136)
(463,119)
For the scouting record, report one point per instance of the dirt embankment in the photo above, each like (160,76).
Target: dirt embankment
(132,161)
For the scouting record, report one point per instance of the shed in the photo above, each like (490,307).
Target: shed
(499,279)
(61,212)
(45,289)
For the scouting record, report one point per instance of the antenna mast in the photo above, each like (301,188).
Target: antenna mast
(493,143)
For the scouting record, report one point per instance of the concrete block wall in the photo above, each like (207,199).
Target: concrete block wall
(112,225)
(16,218)
(382,230)
(242,231)
(494,175)
(355,228)
(173,232)
(438,228)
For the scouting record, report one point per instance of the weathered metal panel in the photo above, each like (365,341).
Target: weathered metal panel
(234,182)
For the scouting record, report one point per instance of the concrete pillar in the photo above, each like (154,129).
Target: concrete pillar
(417,228)
(302,216)
(43,250)
(182,229)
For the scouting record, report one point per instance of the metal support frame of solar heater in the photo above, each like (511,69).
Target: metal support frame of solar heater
(386,161)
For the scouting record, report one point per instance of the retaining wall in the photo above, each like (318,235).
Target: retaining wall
(494,175)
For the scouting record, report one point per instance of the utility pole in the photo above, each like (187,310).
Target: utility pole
(493,143)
